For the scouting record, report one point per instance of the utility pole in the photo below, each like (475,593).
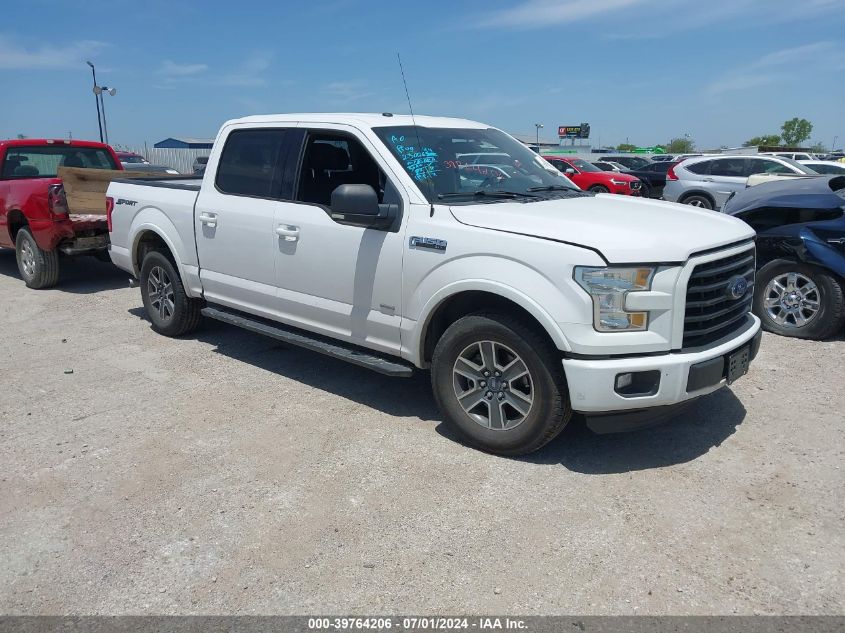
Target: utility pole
(96,100)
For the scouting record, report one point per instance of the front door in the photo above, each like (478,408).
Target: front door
(340,280)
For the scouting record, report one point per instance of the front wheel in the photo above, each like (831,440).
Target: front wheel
(599,189)
(798,300)
(39,268)
(171,311)
(500,383)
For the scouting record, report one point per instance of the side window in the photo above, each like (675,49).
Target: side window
(250,164)
(331,160)
(702,168)
(730,167)
(772,167)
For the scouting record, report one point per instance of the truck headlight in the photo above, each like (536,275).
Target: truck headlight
(607,288)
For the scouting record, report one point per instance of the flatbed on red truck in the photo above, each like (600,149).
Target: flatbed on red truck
(35,217)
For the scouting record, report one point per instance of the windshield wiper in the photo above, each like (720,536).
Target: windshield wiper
(552,188)
(497,193)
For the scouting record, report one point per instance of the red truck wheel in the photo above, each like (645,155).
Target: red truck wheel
(39,268)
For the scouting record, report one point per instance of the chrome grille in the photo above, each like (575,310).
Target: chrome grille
(636,185)
(711,312)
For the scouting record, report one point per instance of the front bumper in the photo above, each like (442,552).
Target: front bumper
(592,381)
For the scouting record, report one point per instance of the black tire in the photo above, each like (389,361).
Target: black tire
(38,268)
(824,322)
(645,189)
(599,189)
(549,410)
(696,200)
(170,310)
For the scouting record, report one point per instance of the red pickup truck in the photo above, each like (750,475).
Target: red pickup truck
(34,216)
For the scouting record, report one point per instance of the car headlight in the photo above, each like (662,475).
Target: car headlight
(618,182)
(607,288)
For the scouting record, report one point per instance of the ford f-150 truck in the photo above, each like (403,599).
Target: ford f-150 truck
(35,218)
(365,237)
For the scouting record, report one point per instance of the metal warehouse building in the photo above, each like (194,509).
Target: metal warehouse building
(184,143)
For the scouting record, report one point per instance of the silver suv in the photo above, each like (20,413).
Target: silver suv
(709,181)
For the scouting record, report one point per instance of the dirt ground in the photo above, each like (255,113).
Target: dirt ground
(225,474)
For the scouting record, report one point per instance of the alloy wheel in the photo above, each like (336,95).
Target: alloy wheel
(160,292)
(792,300)
(28,258)
(493,385)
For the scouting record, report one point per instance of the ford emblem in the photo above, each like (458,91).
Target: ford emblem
(737,287)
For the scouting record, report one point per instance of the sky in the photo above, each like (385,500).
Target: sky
(644,71)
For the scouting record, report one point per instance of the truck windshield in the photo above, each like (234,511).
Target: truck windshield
(463,165)
(43,161)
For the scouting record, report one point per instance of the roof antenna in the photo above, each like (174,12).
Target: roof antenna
(413,120)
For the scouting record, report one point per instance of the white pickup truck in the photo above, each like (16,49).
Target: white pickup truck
(446,244)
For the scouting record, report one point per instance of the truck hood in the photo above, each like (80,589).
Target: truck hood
(622,229)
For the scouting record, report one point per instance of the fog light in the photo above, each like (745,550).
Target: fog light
(638,384)
(623,380)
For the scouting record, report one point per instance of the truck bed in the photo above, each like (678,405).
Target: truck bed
(165,202)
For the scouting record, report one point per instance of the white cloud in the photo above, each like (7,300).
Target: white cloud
(16,57)
(346,91)
(250,73)
(781,66)
(542,13)
(172,69)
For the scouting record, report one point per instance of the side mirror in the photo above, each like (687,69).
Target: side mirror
(354,200)
(569,171)
(358,205)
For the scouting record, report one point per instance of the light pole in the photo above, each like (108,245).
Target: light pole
(96,100)
(98,93)
(538,126)
(833,147)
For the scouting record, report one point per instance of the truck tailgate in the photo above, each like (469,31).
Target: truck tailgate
(88,222)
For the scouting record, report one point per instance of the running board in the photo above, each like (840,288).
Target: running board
(312,342)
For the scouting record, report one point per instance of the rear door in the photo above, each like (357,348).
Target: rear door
(727,175)
(234,219)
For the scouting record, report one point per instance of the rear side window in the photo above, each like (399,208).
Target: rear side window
(250,164)
(730,167)
(702,168)
(44,161)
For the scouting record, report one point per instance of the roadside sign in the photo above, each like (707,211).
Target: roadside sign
(574,131)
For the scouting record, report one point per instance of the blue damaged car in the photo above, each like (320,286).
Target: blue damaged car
(800,225)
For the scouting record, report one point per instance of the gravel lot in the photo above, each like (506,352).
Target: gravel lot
(223,473)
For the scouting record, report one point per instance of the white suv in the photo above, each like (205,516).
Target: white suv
(709,181)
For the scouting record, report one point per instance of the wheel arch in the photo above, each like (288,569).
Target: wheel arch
(148,237)
(697,192)
(463,298)
(15,221)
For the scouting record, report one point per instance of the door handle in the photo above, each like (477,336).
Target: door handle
(706,180)
(290,233)
(209,219)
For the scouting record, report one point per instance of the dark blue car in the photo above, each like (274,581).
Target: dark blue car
(800,224)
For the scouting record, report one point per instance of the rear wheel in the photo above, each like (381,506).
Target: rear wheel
(702,202)
(599,189)
(171,311)
(38,268)
(794,299)
(500,383)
